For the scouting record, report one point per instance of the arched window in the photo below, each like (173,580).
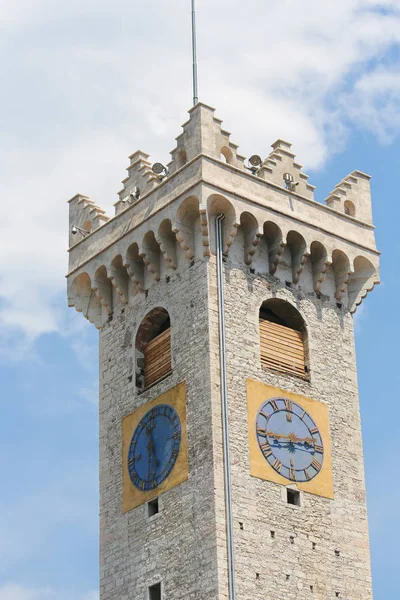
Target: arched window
(227,155)
(349,208)
(153,348)
(282,338)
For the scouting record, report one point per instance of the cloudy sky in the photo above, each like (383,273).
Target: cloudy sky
(84,84)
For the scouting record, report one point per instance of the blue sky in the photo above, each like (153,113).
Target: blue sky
(86,83)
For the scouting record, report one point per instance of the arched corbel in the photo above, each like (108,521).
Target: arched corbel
(185,239)
(299,252)
(276,245)
(102,288)
(251,236)
(84,300)
(187,216)
(151,255)
(342,271)
(167,242)
(134,266)
(119,278)
(230,237)
(320,264)
(361,282)
(205,236)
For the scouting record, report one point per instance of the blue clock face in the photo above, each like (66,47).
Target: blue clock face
(154,447)
(289,440)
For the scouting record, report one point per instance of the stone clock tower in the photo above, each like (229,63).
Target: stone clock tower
(231,461)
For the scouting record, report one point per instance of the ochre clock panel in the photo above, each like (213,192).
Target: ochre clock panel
(172,404)
(289,435)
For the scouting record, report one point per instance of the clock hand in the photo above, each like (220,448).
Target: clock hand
(291,437)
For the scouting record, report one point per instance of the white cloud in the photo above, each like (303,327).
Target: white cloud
(90,82)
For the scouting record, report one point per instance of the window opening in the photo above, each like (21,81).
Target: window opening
(293,497)
(153,348)
(282,335)
(153,507)
(155,592)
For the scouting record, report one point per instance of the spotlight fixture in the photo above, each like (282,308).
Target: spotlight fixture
(75,229)
(134,194)
(290,183)
(159,169)
(255,162)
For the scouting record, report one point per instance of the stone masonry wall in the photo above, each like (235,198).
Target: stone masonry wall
(177,546)
(291,569)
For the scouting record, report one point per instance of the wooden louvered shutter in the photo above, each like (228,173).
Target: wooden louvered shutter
(282,348)
(157,358)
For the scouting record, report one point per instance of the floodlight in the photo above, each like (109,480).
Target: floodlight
(290,183)
(159,169)
(75,229)
(255,160)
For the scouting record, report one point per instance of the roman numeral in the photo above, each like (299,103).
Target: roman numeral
(306,475)
(277,465)
(314,430)
(318,448)
(274,405)
(288,404)
(266,450)
(316,464)
(174,453)
(261,431)
(292,474)
(142,485)
(154,483)
(264,415)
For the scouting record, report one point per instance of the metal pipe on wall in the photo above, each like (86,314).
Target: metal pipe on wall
(225,413)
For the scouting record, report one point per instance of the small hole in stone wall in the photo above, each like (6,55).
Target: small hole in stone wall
(241,526)
(155,592)
(318,294)
(252,271)
(191,263)
(314,545)
(337,552)
(291,539)
(130,379)
(337,595)
(122,311)
(293,497)
(287,577)
(311,588)
(146,293)
(273,534)
(152,508)
(339,304)
(257,575)
(110,318)
(168,279)
(288,283)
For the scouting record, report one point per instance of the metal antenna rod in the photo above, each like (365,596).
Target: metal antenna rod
(195,92)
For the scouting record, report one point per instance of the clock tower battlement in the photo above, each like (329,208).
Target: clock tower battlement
(294,272)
